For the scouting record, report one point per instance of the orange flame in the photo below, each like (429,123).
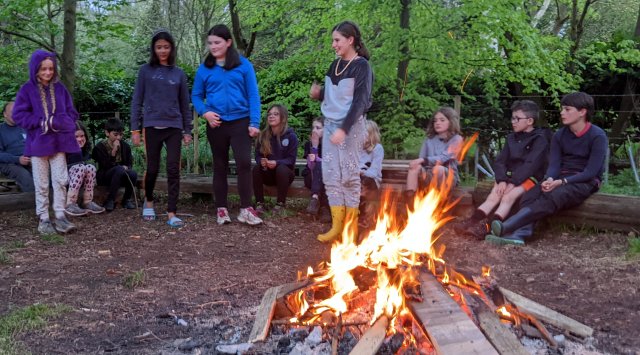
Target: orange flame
(393,248)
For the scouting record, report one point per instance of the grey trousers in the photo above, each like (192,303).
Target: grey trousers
(341,164)
(20,174)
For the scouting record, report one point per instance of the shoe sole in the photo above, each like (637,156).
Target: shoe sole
(226,221)
(249,223)
(501,241)
(67,231)
(75,214)
(96,212)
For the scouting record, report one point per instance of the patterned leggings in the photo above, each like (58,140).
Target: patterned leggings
(79,175)
(40,166)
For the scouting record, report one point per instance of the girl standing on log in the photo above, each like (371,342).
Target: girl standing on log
(44,109)
(160,106)
(346,97)
(225,93)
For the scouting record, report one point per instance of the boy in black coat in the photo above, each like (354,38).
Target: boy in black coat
(519,166)
(576,164)
(115,163)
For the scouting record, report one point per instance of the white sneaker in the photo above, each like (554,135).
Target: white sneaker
(223,216)
(249,216)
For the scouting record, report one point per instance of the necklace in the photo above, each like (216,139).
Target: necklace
(345,67)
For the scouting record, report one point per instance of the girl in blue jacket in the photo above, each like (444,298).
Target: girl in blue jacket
(225,93)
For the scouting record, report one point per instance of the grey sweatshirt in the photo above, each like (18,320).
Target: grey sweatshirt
(161,99)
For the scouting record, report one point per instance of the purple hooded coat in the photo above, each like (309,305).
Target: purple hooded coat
(28,113)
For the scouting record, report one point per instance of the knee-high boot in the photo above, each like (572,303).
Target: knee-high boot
(521,218)
(518,236)
(337,224)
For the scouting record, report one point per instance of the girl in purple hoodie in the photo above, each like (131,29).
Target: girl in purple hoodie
(44,109)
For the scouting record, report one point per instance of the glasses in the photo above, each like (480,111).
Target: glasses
(516,118)
(273,114)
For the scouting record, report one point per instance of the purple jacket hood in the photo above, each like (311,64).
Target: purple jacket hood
(34,65)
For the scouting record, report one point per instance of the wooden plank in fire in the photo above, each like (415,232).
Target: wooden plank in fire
(502,338)
(546,314)
(261,325)
(372,338)
(450,330)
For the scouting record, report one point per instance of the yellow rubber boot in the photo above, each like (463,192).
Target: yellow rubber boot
(337,223)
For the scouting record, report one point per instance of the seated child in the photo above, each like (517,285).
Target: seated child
(312,172)
(276,151)
(438,155)
(370,174)
(519,166)
(576,164)
(115,162)
(81,173)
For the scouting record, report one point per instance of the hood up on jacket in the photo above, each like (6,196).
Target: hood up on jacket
(36,60)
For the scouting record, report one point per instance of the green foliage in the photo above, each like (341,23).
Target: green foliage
(134,279)
(54,239)
(634,247)
(623,183)
(24,319)
(5,258)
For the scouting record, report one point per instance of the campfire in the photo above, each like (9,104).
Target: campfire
(391,291)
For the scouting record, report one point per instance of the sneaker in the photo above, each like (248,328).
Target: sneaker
(476,229)
(260,209)
(109,205)
(223,216)
(314,206)
(74,210)
(93,207)
(128,205)
(249,216)
(62,225)
(46,228)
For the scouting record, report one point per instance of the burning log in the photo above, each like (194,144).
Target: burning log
(450,330)
(546,314)
(372,338)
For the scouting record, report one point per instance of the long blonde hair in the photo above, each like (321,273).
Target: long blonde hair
(264,139)
(454,122)
(373,136)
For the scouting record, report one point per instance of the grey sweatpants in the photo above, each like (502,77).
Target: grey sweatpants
(341,164)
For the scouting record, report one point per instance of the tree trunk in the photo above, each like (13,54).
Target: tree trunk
(68,63)
(403,65)
(241,43)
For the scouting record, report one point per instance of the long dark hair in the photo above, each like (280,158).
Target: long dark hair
(350,29)
(158,35)
(265,135)
(232,58)
(87,145)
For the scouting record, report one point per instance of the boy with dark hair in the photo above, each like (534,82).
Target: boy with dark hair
(518,168)
(13,163)
(576,164)
(115,162)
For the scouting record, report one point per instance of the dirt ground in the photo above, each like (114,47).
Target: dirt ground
(213,278)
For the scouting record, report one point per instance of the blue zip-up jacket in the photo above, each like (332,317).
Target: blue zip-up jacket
(11,143)
(232,94)
(283,151)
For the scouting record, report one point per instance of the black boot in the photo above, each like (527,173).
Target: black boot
(517,237)
(523,217)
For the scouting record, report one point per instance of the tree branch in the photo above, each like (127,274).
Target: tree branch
(30,39)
